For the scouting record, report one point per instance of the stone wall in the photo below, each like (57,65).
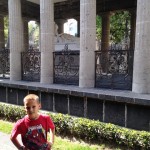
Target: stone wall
(122,108)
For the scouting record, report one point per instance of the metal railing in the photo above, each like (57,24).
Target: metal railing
(114,69)
(66,66)
(31,60)
(4,63)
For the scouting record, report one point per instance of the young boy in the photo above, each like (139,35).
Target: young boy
(33,127)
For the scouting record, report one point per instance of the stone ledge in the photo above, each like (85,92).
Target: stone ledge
(102,94)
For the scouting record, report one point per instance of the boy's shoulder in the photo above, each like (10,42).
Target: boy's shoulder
(21,120)
(44,115)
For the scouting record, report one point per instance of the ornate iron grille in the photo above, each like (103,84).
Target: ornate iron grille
(31,60)
(114,69)
(4,63)
(66,66)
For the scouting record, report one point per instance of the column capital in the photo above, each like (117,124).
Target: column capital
(77,18)
(26,19)
(60,21)
(132,11)
(104,14)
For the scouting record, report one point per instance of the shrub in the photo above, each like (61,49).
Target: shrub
(11,112)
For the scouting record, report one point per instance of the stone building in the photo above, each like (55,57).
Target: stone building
(90,69)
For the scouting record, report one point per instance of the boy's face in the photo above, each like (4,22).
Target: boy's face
(32,107)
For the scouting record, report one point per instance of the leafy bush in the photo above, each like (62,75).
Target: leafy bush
(11,112)
(85,129)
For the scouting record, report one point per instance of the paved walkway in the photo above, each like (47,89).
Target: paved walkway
(5,143)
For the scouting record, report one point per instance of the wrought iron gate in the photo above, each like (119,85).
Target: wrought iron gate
(4,63)
(66,66)
(31,60)
(114,69)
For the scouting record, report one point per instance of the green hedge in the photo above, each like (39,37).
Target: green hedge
(85,129)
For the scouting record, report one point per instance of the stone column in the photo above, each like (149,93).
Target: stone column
(2,37)
(105,40)
(38,23)
(133,25)
(8,40)
(141,71)
(47,40)
(60,23)
(87,43)
(105,31)
(16,38)
(78,26)
(26,35)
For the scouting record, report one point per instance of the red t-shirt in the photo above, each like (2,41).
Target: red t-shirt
(33,132)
